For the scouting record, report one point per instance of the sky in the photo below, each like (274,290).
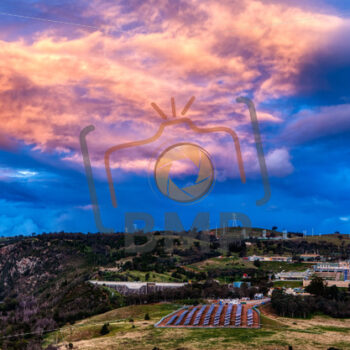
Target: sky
(66,65)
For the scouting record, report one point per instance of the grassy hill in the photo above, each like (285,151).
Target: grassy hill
(43,279)
(130,330)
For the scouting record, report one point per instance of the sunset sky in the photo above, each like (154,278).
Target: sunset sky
(65,65)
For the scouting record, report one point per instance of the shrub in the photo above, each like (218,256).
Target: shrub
(105,329)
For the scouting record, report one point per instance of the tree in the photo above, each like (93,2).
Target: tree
(105,329)
(257,263)
(332,292)
(316,286)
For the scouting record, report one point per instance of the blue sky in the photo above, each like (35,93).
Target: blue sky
(69,65)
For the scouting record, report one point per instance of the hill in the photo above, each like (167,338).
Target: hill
(44,278)
(129,329)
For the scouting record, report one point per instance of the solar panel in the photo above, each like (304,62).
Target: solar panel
(198,316)
(181,318)
(228,315)
(189,316)
(238,315)
(217,315)
(249,317)
(172,319)
(208,314)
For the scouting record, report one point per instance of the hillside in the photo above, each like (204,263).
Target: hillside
(129,329)
(44,278)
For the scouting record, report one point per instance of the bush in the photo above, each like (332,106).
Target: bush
(105,329)
(257,263)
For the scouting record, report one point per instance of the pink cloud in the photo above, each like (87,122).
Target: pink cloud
(278,162)
(311,125)
(54,86)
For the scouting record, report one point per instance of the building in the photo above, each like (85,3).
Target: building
(258,296)
(296,291)
(332,267)
(339,271)
(311,257)
(293,275)
(270,258)
(127,288)
(239,284)
(333,274)
(272,236)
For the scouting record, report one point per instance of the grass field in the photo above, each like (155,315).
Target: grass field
(336,239)
(222,263)
(129,330)
(288,284)
(276,266)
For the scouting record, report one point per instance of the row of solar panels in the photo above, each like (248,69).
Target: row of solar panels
(228,315)
(238,318)
(217,315)
(249,317)
(189,316)
(177,319)
(199,315)
(208,314)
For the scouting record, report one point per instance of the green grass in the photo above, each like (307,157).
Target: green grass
(153,276)
(341,345)
(276,266)
(288,284)
(222,263)
(334,329)
(270,323)
(141,334)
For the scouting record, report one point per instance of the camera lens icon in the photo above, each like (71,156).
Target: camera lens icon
(184,172)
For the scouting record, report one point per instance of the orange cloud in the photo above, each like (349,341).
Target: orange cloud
(52,87)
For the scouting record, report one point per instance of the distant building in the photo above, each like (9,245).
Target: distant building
(258,296)
(293,275)
(296,291)
(239,284)
(334,274)
(127,288)
(311,257)
(272,236)
(332,267)
(270,258)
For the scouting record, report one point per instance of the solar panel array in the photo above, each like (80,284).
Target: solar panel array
(217,315)
(208,314)
(195,314)
(172,319)
(189,316)
(250,317)
(181,318)
(238,315)
(228,315)
(198,316)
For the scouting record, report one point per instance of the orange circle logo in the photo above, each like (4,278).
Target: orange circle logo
(184,172)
